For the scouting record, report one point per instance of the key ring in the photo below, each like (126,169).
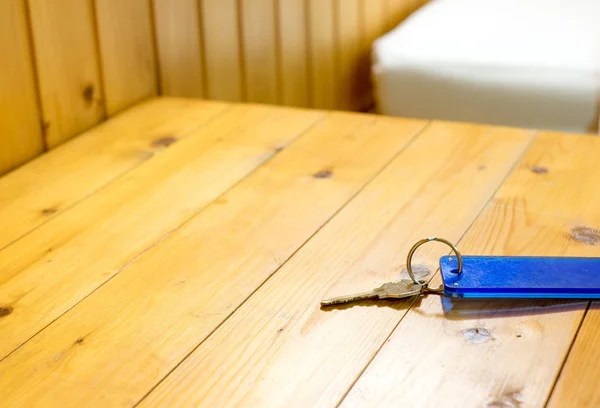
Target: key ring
(424,241)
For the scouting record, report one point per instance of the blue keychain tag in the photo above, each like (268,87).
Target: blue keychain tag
(522,277)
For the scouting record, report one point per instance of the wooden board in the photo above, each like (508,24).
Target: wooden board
(171,297)
(194,276)
(292,51)
(499,353)
(127,52)
(577,385)
(280,348)
(224,62)
(93,58)
(53,183)
(259,38)
(322,46)
(179,47)
(20,128)
(47,273)
(68,67)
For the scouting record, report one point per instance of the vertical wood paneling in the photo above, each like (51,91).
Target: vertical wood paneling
(293,56)
(260,50)
(179,47)
(222,50)
(350,55)
(20,135)
(97,57)
(127,52)
(67,66)
(323,53)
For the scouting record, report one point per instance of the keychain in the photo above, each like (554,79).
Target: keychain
(494,277)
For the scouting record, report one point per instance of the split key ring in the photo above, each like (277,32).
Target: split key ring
(424,241)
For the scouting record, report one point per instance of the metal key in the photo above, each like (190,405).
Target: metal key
(391,290)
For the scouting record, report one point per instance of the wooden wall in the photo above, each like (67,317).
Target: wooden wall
(67,65)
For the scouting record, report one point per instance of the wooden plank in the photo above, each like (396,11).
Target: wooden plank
(68,69)
(179,47)
(293,54)
(20,135)
(282,330)
(499,353)
(322,43)
(42,273)
(53,183)
(260,50)
(127,52)
(222,50)
(577,385)
(173,296)
(350,81)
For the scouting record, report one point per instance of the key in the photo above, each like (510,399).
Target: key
(391,290)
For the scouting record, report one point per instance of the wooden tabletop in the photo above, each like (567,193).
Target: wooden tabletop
(177,254)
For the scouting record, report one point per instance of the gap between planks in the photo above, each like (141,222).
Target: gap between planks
(414,301)
(180,132)
(243,302)
(549,400)
(361,154)
(517,358)
(249,366)
(299,123)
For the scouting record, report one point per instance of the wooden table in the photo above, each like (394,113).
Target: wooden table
(176,256)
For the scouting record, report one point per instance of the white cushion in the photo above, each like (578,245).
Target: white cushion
(524,63)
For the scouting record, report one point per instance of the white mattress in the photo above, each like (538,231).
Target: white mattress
(524,63)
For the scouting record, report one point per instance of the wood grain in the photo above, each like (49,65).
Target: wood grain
(127,52)
(179,47)
(20,135)
(577,384)
(260,50)
(293,53)
(51,184)
(42,272)
(96,57)
(224,65)
(171,297)
(499,353)
(322,43)
(281,330)
(67,66)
